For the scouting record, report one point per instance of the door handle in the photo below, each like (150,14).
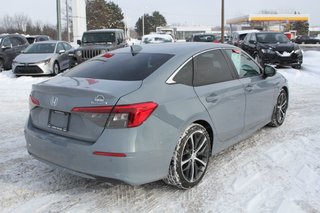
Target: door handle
(249,88)
(212,99)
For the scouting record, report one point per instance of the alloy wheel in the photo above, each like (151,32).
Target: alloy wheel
(195,156)
(281,108)
(56,68)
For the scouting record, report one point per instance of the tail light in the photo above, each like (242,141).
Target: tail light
(122,116)
(33,102)
(216,41)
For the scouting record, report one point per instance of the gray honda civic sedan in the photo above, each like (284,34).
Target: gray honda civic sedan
(145,113)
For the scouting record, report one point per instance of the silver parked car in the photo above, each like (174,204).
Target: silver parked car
(43,58)
(141,114)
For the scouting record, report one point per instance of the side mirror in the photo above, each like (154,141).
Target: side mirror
(5,47)
(79,42)
(252,42)
(269,71)
(61,51)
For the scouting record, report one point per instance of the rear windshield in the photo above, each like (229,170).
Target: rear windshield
(121,66)
(30,40)
(99,37)
(205,38)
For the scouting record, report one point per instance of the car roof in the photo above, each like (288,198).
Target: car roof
(104,30)
(268,32)
(49,42)
(204,34)
(35,36)
(5,35)
(157,35)
(246,31)
(178,48)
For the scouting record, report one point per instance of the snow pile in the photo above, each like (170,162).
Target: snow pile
(275,170)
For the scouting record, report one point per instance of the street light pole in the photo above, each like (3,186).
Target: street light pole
(143,25)
(58,20)
(67,14)
(222,21)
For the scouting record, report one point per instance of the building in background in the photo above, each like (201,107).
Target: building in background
(79,18)
(181,32)
(267,22)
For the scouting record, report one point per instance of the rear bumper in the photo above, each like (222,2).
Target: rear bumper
(141,165)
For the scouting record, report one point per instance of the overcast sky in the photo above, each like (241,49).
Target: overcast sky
(191,12)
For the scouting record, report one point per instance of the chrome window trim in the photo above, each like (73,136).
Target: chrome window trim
(170,79)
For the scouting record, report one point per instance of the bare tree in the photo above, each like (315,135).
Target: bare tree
(20,21)
(17,23)
(7,22)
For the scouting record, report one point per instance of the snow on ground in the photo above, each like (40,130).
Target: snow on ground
(275,170)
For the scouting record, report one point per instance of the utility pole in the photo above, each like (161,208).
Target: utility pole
(58,20)
(67,14)
(222,21)
(143,25)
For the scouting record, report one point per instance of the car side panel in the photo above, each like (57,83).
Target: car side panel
(178,107)
(260,93)
(225,103)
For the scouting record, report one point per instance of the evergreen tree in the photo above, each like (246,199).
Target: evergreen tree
(115,16)
(150,23)
(302,28)
(158,20)
(101,15)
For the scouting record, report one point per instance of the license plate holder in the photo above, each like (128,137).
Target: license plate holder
(286,54)
(59,120)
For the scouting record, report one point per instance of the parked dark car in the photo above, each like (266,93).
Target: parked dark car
(204,37)
(273,48)
(36,38)
(237,37)
(306,40)
(151,112)
(11,45)
(96,42)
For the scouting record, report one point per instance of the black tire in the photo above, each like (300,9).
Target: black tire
(56,68)
(279,112)
(1,65)
(190,159)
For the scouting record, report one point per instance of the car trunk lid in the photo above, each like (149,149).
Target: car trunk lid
(56,99)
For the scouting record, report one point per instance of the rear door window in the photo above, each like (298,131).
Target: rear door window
(184,76)
(211,67)
(120,66)
(15,41)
